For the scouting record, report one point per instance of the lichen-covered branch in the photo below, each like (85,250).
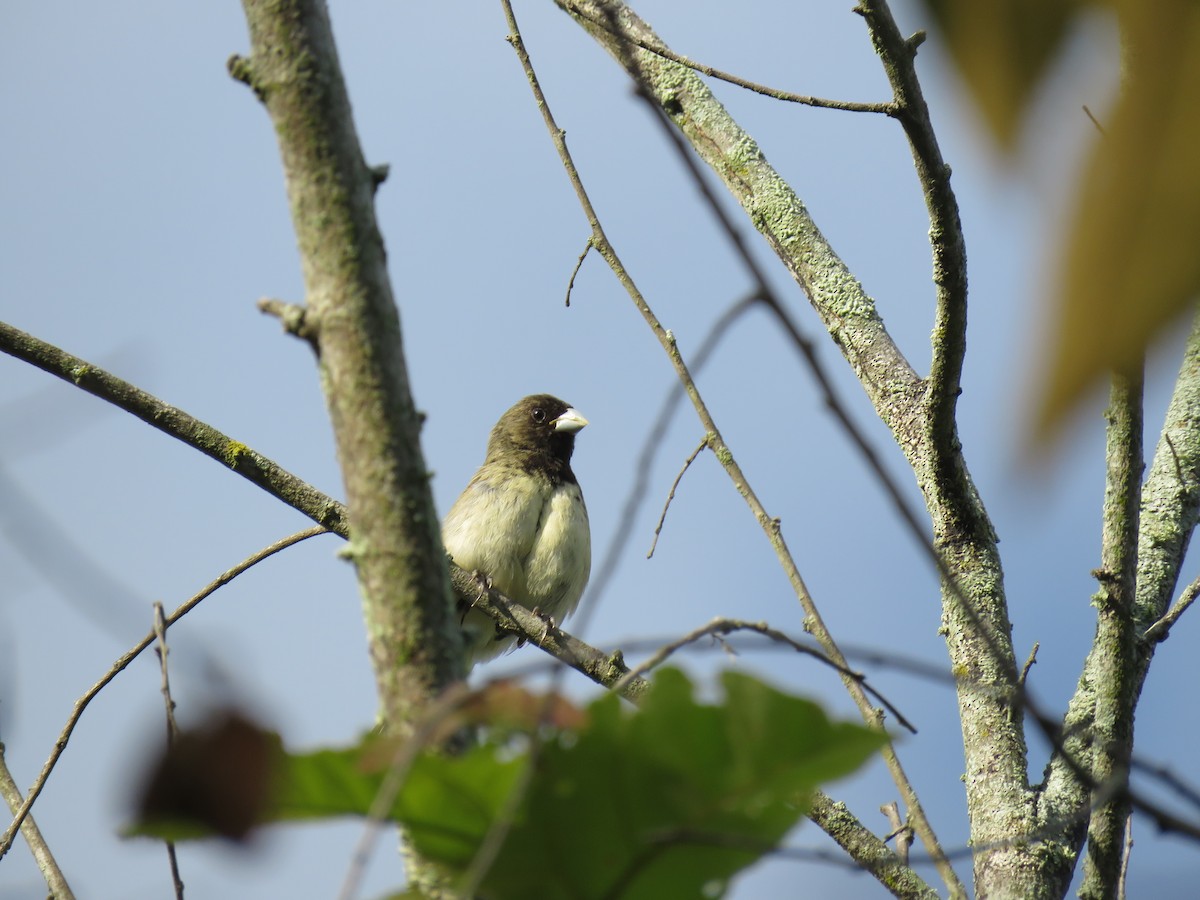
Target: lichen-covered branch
(1115,643)
(243,460)
(919,412)
(618,20)
(352,321)
(1170,500)
(867,850)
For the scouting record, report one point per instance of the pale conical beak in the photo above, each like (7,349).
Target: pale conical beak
(570,421)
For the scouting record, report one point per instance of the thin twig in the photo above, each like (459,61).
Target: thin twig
(501,825)
(1182,789)
(1161,630)
(1095,121)
(722,626)
(687,464)
(123,662)
(160,634)
(55,881)
(575,271)
(888,109)
(1126,852)
(624,528)
(901,830)
(726,457)
(1029,663)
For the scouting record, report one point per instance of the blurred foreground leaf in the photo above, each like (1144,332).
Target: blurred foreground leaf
(1131,265)
(1002,48)
(667,800)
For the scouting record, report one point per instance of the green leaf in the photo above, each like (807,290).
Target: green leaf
(671,799)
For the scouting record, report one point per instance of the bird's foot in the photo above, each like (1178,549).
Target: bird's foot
(483,582)
(483,579)
(548,625)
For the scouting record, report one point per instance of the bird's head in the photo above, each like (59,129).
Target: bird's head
(538,428)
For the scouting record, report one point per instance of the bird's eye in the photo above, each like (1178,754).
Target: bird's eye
(539,415)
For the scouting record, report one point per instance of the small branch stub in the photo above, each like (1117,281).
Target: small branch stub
(296,319)
(242,69)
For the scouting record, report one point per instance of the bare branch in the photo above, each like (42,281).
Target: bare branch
(735,157)
(55,881)
(586,14)
(160,634)
(575,271)
(1029,663)
(516,619)
(687,464)
(723,626)
(123,662)
(901,831)
(1126,853)
(1161,630)
(251,465)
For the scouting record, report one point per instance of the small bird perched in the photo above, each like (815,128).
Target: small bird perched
(522,522)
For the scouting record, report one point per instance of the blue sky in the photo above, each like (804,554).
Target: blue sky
(142,214)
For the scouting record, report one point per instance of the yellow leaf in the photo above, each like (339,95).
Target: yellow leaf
(1131,264)
(1002,48)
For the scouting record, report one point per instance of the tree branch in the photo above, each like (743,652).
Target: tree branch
(613,13)
(1170,499)
(55,881)
(514,618)
(585,13)
(1116,639)
(123,662)
(234,455)
(352,320)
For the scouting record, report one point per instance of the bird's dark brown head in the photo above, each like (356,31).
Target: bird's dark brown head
(537,433)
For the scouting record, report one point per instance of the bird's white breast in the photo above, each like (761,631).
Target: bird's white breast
(561,558)
(534,545)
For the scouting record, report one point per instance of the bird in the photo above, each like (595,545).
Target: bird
(521,522)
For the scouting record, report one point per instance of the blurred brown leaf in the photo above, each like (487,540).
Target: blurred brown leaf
(505,704)
(217,777)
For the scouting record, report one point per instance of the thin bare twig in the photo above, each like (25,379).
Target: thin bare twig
(1161,629)
(1029,663)
(1126,852)
(722,626)
(619,17)
(575,271)
(623,530)
(901,830)
(55,881)
(123,662)
(431,723)
(1182,789)
(687,464)
(160,634)
(887,109)
(1095,121)
(1112,668)
(723,453)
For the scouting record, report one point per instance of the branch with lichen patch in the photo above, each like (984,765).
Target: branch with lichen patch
(234,455)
